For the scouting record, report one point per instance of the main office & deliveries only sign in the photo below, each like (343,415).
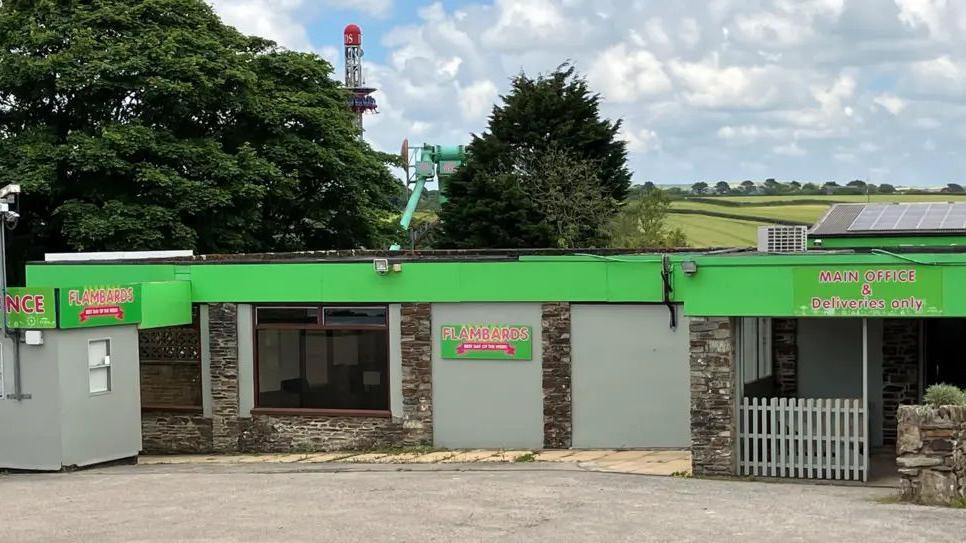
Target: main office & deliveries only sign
(486,342)
(868,292)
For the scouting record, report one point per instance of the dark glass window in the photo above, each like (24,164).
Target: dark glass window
(315,367)
(287,315)
(349,316)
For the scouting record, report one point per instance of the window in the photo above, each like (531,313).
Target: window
(338,362)
(99,365)
(754,349)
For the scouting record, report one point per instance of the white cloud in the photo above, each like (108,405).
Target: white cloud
(789,149)
(641,141)
(707,84)
(891,103)
(378,8)
(723,89)
(626,76)
(924,13)
(272,19)
(476,100)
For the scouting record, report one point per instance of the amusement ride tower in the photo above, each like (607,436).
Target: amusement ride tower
(361,100)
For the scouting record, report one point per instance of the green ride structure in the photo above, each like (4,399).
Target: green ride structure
(430,162)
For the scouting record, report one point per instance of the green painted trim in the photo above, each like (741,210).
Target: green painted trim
(887,242)
(165,304)
(735,284)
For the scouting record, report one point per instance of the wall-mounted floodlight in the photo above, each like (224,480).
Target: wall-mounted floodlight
(689,267)
(381,265)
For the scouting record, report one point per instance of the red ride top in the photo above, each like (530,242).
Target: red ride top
(353,35)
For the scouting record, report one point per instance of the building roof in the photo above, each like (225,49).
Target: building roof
(883,219)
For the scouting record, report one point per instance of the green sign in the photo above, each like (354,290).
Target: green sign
(33,308)
(868,292)
(85,307)
(486,341)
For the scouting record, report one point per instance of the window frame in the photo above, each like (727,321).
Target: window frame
(101,366)
(258,409)
(762,349)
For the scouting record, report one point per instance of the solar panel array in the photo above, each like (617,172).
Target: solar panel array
(911,217)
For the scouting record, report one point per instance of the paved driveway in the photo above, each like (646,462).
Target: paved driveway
(444,502)
(641,462)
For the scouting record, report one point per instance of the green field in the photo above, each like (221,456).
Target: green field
(804,213)
(705,231)
(712,222)
(832,199)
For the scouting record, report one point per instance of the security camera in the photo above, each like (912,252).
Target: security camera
(9,190)
(381,265)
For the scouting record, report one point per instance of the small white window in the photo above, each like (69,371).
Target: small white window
(99,365)
(754,349)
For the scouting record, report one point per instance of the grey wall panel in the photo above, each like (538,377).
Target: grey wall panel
(830,363)
(395,361)
(30,429)
(99,427)
(246,361)
(830,358)
(487,403)
(207,402)
(631,377)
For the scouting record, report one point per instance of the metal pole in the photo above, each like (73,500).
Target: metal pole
(865,397)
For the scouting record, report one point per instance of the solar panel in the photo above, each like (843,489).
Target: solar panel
(910,217)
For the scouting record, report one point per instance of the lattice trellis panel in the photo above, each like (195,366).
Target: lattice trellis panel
(176,343)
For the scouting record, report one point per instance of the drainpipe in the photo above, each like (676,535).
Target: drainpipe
(7,332)
(668,289)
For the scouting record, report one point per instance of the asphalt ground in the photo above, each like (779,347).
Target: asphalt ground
(516,502)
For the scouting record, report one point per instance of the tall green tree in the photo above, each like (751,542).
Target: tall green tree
(149,124)
(490,203)
(643,224)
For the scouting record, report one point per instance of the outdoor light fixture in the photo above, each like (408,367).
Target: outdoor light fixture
(381,265)
(689,267)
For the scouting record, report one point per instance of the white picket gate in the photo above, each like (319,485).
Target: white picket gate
(803,438)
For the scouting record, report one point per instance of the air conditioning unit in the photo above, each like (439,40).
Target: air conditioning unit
(782,239)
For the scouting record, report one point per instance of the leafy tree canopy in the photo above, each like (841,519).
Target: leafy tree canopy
(149,124)
(643,224)
(490,204)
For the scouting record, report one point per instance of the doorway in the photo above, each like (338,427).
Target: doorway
(945,358)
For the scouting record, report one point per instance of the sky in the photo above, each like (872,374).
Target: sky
(708,90)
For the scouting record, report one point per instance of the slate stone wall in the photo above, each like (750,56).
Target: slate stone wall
(557,403)
(931,450)
(714,421)
(302,433)
(416,329)
(223,341)
(274,433)
(175,433)
(900,371)
(785,356)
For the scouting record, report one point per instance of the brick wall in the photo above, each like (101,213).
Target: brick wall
(900,371)
(557,403)
(170,383)
(175,433)
(714,421)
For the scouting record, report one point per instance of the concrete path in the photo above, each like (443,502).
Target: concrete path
(526,502)
(641,462)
